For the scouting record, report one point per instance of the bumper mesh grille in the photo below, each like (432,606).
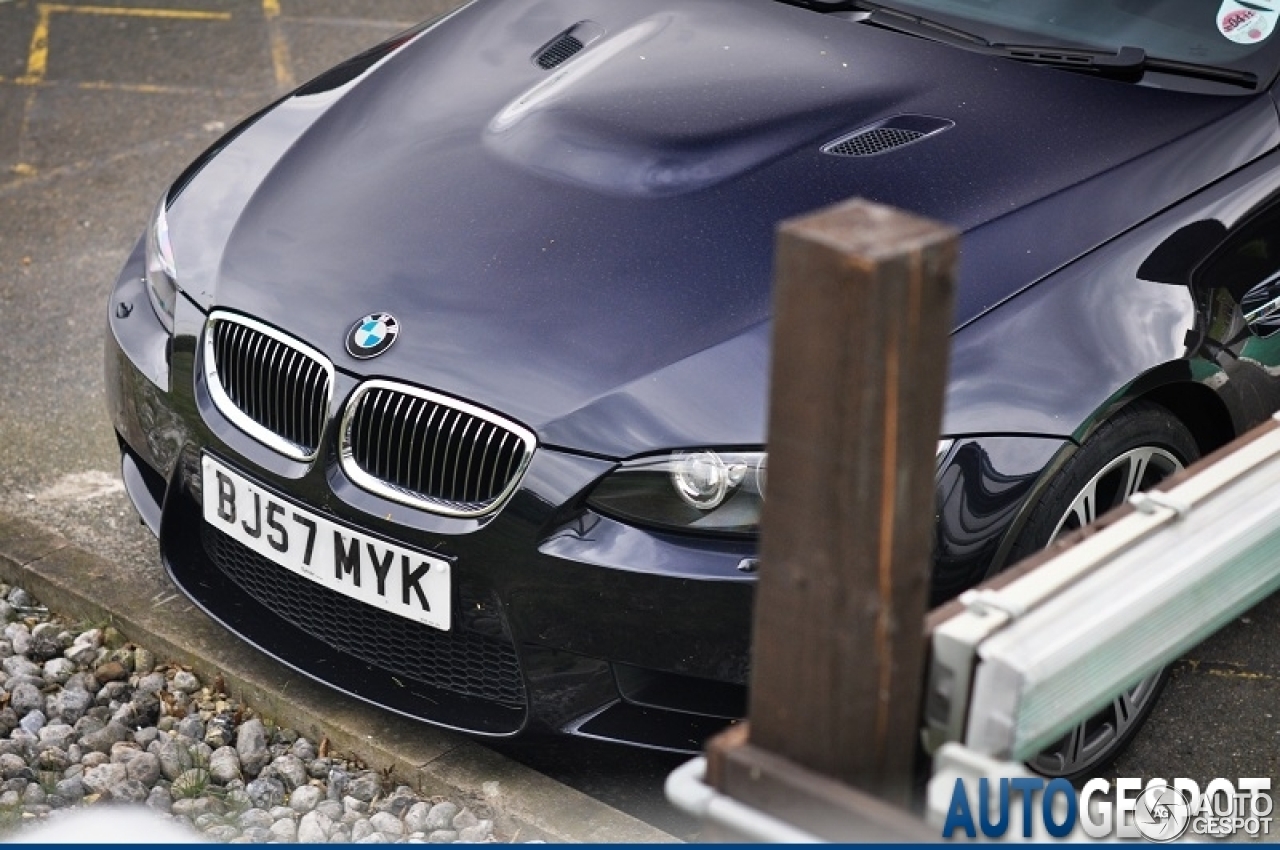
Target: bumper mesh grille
(274,388)
(430,451)
(480,664)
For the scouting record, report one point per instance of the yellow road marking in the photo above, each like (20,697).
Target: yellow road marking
(135,88)
(23,129)
(280,59)
(107,85)
(1238,674)
(1226,670)
(38,53)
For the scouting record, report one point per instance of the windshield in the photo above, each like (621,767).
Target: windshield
(1236,34)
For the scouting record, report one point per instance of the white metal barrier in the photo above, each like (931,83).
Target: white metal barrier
(1025,663)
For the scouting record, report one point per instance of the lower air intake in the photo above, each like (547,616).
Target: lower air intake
(471,663)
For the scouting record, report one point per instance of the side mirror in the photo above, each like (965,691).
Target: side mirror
(1177,257)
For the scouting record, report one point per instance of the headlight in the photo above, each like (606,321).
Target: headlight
(701,490)
(693,491)
(162,277)
(944,446)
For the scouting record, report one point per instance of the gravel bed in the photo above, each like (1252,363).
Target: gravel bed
(87,720)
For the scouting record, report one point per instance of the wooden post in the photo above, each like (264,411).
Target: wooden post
(862,313)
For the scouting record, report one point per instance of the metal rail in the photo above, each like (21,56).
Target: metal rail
(688,792)
(1025,663)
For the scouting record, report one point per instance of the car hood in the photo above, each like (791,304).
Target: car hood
(587,248)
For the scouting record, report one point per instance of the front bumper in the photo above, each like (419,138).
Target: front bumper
(564,620)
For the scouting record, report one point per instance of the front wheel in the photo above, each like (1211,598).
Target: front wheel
(1141,446)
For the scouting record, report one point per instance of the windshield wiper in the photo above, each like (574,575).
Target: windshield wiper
(893,19)
(1231,77)
(1127,64)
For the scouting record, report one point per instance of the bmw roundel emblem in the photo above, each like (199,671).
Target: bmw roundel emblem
(372,335)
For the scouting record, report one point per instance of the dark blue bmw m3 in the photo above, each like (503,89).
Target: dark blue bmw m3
(443,379)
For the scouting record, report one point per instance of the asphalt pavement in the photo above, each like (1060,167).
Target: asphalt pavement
(101,106)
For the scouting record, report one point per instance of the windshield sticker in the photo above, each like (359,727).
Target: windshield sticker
(1248,23)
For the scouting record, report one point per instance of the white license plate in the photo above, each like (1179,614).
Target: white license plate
(402,581)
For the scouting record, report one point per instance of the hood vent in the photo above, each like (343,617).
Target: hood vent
(886,135)
(561,49)
(567,44)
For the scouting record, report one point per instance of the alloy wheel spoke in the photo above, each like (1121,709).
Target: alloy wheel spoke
(1085,507)
(1073,748)
(1125,708)
(1137,471)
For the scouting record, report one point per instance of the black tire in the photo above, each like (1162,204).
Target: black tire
(1146,439)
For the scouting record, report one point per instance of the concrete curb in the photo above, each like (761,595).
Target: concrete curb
(149,610)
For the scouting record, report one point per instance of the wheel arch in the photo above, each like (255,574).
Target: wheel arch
(1199,408)
(1194,404)
(1184,391)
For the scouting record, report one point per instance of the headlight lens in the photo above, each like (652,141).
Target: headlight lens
(702,490)
(704,480)
(944,446)
(162,277)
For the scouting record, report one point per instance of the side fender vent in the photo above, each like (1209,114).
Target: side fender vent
(884,136)
(567,44)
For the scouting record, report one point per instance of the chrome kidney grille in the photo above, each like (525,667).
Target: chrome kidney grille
(430,451)
(407,444)
(272,387)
